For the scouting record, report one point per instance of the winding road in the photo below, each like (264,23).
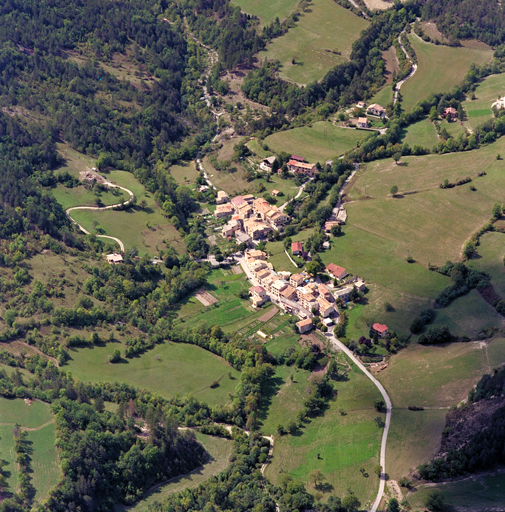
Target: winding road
(337,343)
(398,86)
(125,203)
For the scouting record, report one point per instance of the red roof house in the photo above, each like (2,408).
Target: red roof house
(297,248)
(381,329)
(297,158)
(450,113)
(336,271)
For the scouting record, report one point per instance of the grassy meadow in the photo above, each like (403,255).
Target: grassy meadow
(80,196)
(488,91)
(219,450)
(325,27)
(167,369)
(145,229)
(422,133)
(383,97)
(38,420)
(433,74)
(317,143)
(184,173)
(345,443)
(478,493)
(268,10)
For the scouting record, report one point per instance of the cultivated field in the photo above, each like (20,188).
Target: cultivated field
(219,450)
(167,369)
(142,228)
(392,63)
(421,133)
(434,376)
(414,437)
(323,29)
(476,493)
(268,10)
(479,110)
(318,143)
(38,420)
(434,74)
(345,443)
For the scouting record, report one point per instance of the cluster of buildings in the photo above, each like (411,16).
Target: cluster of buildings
(296,165)
(374,110)
(251,219)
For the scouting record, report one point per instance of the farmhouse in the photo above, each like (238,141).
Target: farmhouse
(223,210)
(380,329)
(363,122)
(297,158)
(297,248)
(304,325)
(450,113)
(258,295)
(267,163)
(114,259)
(222,197)
(376,110)
(335,271)
(301,168)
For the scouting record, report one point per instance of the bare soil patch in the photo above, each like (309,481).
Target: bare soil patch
(205,297)
(268,315)
(237,269)
(392,63)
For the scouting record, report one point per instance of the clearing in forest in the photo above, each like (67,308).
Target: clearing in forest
(268,10)
(321,39)
(440,68)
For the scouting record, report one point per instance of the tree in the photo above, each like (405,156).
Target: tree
(436,502)
(396,157)
(313,267)
(379,405)
(336,230)
(317,477)
(393,190)
(393,505)
(351,503)
(115,357)
(99,404)
(497,211)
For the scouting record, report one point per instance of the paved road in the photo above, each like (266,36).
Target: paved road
(414,69)
(85,231)
(387,400)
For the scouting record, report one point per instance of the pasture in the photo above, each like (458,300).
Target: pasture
(491,252)
(422,133)
(434,376)
(167,369)
(268,10)
(317,143)
(430,224)
(433,74)
(473,494)
(145,228)
(38,420)
(383,97)
(219,450)
(321,39)
(487,92)
(184,173)
(81,196)
(345,442)
(414,437)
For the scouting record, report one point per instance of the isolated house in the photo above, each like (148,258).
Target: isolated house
(267,163)
(450,113)
(275,193)
(380,329)
(363,122)
(114,259)
(376,110)
(336,271)
(297,248)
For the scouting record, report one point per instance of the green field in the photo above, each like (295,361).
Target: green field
(414,437)
(317,143)
(384,97)
(325,27)
(481,493)
(38,420)
(80,196)
(496,352)
(434,376)
(184,173)
(433,74)
(421,133)
(432,223)
(145,229)
(278,257)
(167,369)
(345,443)
(488,91)
(219,451)
(268,10)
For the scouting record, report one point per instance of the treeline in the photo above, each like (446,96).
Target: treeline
(484,449)
(464,19)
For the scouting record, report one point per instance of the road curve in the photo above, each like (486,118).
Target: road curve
(110,207)
(387,400)
(398,86)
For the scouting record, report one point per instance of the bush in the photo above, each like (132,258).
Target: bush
(115,357)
